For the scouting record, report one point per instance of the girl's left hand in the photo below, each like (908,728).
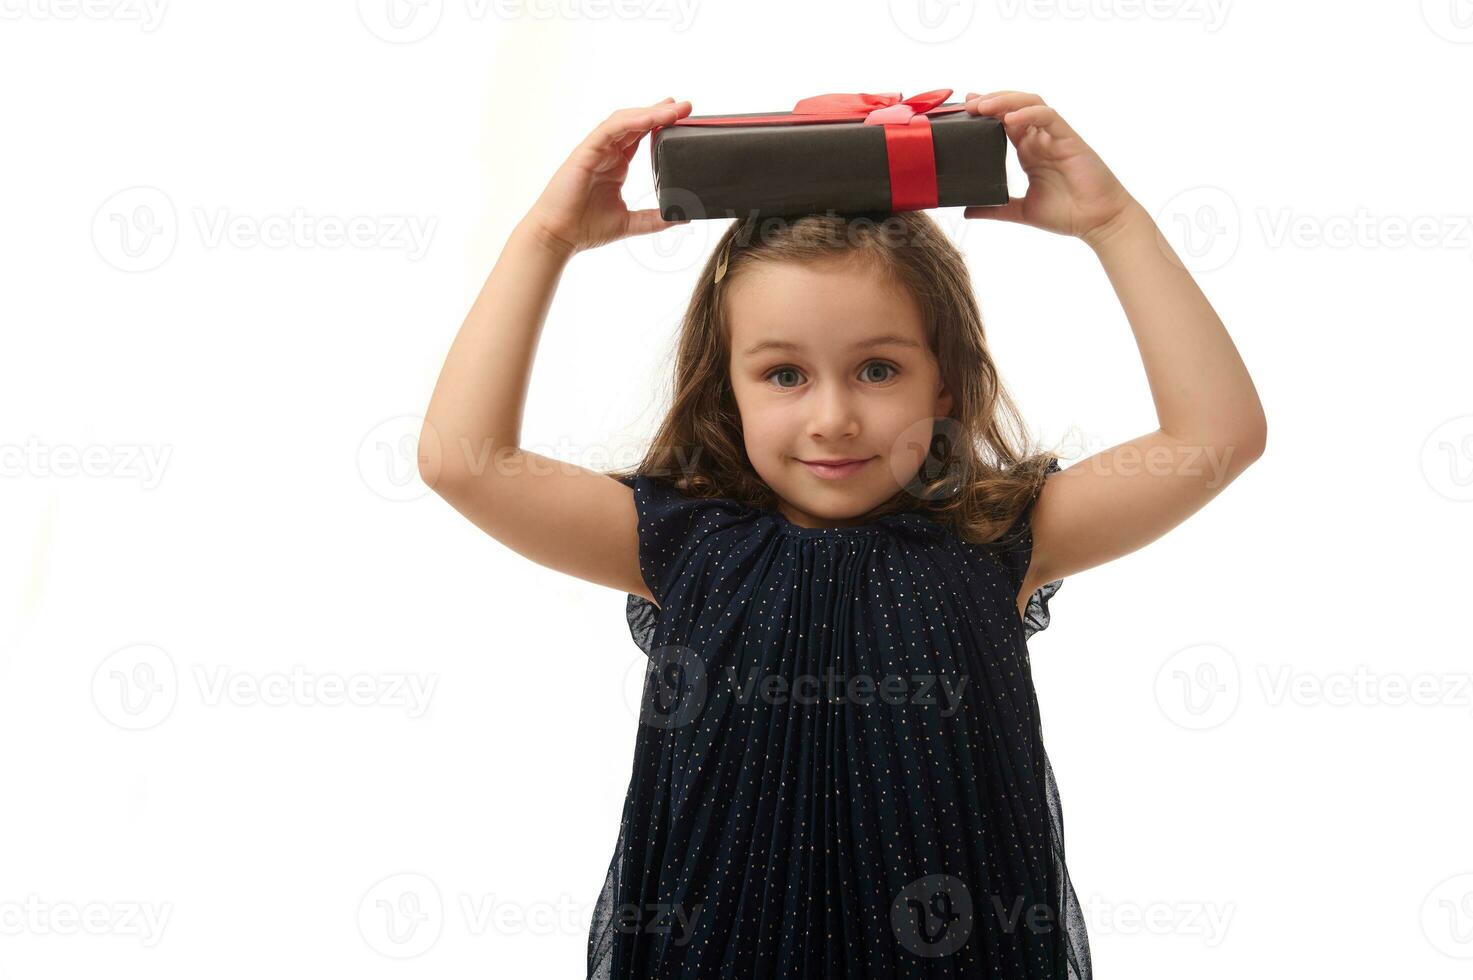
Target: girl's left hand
(1070,190)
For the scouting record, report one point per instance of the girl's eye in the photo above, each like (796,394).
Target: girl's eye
(890,370)
(881,364)
(782,370)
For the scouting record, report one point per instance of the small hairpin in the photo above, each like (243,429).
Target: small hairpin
(721,262)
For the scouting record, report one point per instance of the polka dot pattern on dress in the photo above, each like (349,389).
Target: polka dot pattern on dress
(839,769)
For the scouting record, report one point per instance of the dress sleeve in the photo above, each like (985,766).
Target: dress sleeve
(671,526)
(1016,555)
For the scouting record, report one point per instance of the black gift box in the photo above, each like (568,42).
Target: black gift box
(736,171)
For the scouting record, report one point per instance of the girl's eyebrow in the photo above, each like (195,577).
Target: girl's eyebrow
(881,341)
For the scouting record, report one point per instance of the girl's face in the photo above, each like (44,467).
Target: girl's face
(829,361)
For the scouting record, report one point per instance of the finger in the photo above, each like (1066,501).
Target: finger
(1040,117)
(619,136)
(648,221)
(629,143)
(642,118)
(627,124)
(634,135)
(1011,211)
(632,147)
(1015,95)
(1001,103)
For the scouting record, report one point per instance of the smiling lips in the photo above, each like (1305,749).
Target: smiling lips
(835,469)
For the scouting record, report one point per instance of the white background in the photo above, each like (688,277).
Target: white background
(209,479)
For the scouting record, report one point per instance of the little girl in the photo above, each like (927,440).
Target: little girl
(835,551)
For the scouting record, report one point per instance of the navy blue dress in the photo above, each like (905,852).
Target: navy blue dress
(839,769)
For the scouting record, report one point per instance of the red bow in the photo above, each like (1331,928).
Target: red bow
(883,109)
(908,142)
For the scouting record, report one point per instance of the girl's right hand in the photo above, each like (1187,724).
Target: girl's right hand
(582,207)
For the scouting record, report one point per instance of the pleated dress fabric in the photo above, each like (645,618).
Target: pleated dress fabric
(839,768)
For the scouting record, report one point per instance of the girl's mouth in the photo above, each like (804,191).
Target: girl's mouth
(835,470)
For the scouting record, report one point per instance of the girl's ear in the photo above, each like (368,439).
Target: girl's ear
(943,400)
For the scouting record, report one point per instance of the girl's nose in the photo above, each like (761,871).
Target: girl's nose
(834,414)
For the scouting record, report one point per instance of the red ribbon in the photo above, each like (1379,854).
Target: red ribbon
(908,142)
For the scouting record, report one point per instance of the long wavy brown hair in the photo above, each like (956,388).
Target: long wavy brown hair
(979,474)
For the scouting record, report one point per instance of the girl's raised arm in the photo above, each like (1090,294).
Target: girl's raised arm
(1211,422)
(563,516)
